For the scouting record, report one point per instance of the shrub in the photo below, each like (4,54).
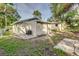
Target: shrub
(54,30)
(59,52)
(7,33)
(57,38)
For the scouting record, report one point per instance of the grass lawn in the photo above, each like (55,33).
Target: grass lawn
(13,46)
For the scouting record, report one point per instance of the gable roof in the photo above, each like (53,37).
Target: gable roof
(44,22)
(30,19)
(38,20)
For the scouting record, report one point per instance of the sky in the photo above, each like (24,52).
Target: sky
(25,10)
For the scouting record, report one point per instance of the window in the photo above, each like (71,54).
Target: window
(56,25)
(28,30)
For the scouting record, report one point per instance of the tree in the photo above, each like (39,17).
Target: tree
(64,13)
(7,14)
(50,19)
(59,9)
(37,13)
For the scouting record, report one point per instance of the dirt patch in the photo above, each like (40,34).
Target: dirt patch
(49,52)
(21,52)
(2,52)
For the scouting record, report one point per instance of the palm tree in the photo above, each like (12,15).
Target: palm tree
(59,9)
(8,14)
(37,13)
(62,13)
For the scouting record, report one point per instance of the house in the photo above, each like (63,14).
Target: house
(33,27)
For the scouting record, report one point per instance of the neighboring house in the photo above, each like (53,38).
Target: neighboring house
(33,27)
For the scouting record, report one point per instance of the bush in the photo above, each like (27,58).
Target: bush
(59,52)
(54,30)
(7,33)
(57,38)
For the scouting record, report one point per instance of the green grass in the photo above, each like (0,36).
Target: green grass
(57,38)
(7,33)
(13,46)
(59,52)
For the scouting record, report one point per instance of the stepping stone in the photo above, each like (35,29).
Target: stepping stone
(69,46)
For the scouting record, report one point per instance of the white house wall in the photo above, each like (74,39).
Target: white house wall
(36,28)
(22,26)
(45,28)
(48,27)
(15,29)
(39,29)
(33,27)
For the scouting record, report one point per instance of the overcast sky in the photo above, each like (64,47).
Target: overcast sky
(26,10)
